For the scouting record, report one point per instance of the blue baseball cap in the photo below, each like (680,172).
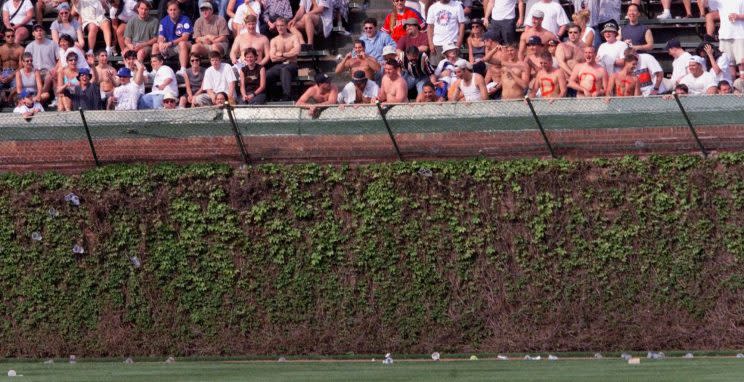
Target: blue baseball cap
(84,71)
(124,72)
(27,93)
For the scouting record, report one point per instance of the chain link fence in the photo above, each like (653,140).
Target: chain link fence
(540,127)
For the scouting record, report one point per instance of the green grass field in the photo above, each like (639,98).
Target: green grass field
(699,369)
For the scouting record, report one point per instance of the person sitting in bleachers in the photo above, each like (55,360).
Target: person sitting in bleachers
(322,93)
(48,7)
(360,90)
(45,53)
(374,40)
(273,10)
(393,88)
(477,47)
(413,37)
(193,81)
(611,54)
(29,79)
(635,34)
(587,33)
(65,24)
(284,49)
(105,73)
(219,77)
(358,59)
(210,32)
(312,17)
(680,63)
(444,74)
(92,19)
(87,95)
(67,81)
(67,46)
(417,69)
(724,87)
(718,63)
(141,33)
(250,39)
(252,79)
(649,72)
(10,57)
(120,13)
(17,16)
(163,80)
(394,21)
(174,35)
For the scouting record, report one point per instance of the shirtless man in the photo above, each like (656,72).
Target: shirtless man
(322,93)
(10,56)
(570,52)
(284,49)
(550,81)
(394,88)
(535,49)
(494,72)
(359,60)
(250,39)
(494,50)
(536,30)
(515,75)
(589,79)
(625,83)
(105,73)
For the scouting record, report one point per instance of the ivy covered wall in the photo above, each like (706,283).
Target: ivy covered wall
(526,255)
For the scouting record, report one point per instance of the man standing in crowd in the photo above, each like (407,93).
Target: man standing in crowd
(550,82)
(501,18)
(625,83)
(570,52)
(536,30)
(394,88)
(446,25)
(731,31)
(374,40)
(611,54)
(553,17)
(174,34)
(360,90)
(515,75)
(285,48)
(469,86)
(589,79)
(649,73)
(141,32)
(681,60)
(358,60)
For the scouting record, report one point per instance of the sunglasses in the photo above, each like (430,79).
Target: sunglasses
(369,28)
(195,60)
(169,101)
(71,59)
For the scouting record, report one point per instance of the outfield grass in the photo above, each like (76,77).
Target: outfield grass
(700,369)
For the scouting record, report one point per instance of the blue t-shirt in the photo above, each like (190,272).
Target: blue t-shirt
(172,32)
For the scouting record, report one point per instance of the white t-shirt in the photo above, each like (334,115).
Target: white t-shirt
(729,30)
(555,16)
(25,6)
(326,17)
(446,19)
(159,77)
(699,85)
(504,10)
(348,93)
(218,80)
(81,63)
(679,66)
(242,11)
(23,109)
(127,96)
(724,62)
(646,71)
(608,53)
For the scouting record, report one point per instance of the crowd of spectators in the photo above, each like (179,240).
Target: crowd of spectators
(424,51)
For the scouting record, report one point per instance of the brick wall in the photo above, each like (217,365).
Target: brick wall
(76,155)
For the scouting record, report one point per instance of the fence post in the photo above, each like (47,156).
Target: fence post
(540,126)
(689,123)
(383,114)
(90,140)
(238,136)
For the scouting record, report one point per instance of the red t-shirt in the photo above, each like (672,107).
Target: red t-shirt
(397,31)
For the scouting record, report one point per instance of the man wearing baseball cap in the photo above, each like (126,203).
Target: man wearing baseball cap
(322,93)
(87,96)
(536,30)
(698,80)
(469,86)
(128,93)
(359,90)
(551,14)
(611,54)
